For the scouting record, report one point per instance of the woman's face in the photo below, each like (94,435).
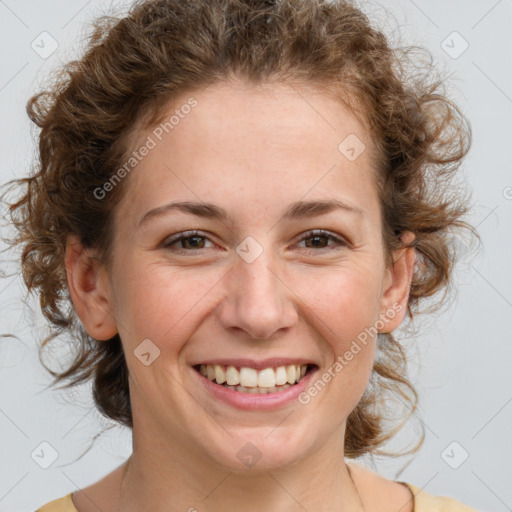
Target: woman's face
(253,283)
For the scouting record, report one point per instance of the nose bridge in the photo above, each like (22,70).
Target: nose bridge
(257,301)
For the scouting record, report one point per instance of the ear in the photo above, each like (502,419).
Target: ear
(90,290)
(397,285)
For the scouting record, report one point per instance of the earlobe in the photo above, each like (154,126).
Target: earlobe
(89,289)
(396,295)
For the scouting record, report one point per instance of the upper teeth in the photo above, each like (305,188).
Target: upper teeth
(249,377)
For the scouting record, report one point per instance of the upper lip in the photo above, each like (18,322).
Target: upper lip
(272,362)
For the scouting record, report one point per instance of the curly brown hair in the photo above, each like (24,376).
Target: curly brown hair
(136,64)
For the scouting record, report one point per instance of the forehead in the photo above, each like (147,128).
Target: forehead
(280,110)
(254,142)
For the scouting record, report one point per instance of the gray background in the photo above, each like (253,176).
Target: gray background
(460,363)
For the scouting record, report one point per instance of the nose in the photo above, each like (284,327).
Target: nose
(258,300)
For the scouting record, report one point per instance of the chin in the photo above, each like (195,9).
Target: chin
(267,449)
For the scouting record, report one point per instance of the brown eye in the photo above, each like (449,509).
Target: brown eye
(317,241)
(188,241)
(320,240)
(194,242)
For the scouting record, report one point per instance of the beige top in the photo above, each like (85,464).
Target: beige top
(423,502)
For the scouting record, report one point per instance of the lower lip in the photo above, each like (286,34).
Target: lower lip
(254,401)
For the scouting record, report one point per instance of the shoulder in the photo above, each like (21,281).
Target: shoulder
(425,502)
(64,504)
(377,490)
(379,493)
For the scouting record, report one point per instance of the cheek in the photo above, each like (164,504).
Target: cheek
(345,300)
(344,307)
(167,304)
(159,302)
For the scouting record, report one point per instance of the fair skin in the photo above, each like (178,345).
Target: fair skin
(253,152)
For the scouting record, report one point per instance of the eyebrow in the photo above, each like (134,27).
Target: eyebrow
(297,210)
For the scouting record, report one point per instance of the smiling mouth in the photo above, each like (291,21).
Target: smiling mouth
(249,380)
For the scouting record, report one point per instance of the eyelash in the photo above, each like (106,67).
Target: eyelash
(309,234)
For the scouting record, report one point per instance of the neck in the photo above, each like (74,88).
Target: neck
(174,477)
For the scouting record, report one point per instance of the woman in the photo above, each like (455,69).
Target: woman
(236,197)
